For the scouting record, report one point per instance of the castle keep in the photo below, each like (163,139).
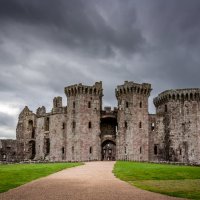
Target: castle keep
(83,131)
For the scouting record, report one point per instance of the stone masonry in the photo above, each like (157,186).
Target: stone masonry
(83,131)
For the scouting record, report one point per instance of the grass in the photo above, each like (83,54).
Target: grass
(14,175)
(173,180)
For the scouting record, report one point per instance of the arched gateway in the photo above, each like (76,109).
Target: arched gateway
(108,150)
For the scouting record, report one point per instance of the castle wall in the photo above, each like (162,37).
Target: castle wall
(82,131)
(132,138)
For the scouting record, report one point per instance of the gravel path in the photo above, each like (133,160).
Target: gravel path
(93,181)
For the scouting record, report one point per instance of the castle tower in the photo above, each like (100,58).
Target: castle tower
(132,136)
(84,105)
(178,118)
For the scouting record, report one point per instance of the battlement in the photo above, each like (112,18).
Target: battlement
(133,88)
(78,89)
(190,94)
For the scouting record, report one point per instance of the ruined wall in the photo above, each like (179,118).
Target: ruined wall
(179,111)
(25,133)
(8,151)
(50,132)
(84,105)
(132,138)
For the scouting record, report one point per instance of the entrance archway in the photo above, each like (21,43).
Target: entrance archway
(108,150)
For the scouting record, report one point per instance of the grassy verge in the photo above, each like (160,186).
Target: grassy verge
(14,175)
(173,180)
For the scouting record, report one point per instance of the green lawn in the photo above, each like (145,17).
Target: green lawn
(14,175)
(173,180)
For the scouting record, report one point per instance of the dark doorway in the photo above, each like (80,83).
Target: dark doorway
(108,150)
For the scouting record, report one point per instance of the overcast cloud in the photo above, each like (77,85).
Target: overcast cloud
(49,44)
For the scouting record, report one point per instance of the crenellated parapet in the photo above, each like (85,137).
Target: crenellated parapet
(133,88)
(80,89)
(192,94)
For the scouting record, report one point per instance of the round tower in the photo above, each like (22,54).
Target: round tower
(132,137)
(84,105)
(178,112)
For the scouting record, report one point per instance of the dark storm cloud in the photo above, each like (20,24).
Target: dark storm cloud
(49,44)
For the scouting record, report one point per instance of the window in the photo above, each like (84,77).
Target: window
(126,104)
(140,150)
(126,124)
(125,150)
(180,151)
(152,126)
(89,125)
(63,150)
(90,150)
(140,104)
(73,124)
(47,145)
(165,108)
(74,104)
(33,133)
(63,125)
(140,125)
(155,149)
(73,150)
(89,104)
(47,124)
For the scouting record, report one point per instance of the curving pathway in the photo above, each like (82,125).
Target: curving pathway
(93,181)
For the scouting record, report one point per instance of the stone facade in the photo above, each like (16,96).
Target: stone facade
(83,131)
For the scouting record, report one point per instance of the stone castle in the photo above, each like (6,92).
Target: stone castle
(82,131)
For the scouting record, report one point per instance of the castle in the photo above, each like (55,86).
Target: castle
(82,131)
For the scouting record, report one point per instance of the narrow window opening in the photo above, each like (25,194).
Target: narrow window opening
(63,150)
(165,108)
(140,125)
(47,146)
(47,124)
(73,150)
(74,104)
(89,104)
(127,104)
(73,124)
(63,125)
(89,125)
(126,124)
(140,104)
(125,150)
(180,151)
(140,150)
(152,126)
(155,149)
(90,150)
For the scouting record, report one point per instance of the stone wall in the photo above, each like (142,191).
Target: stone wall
(180,113)
(84,104)
(132,139)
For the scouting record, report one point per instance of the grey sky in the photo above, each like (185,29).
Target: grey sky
(49,44)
